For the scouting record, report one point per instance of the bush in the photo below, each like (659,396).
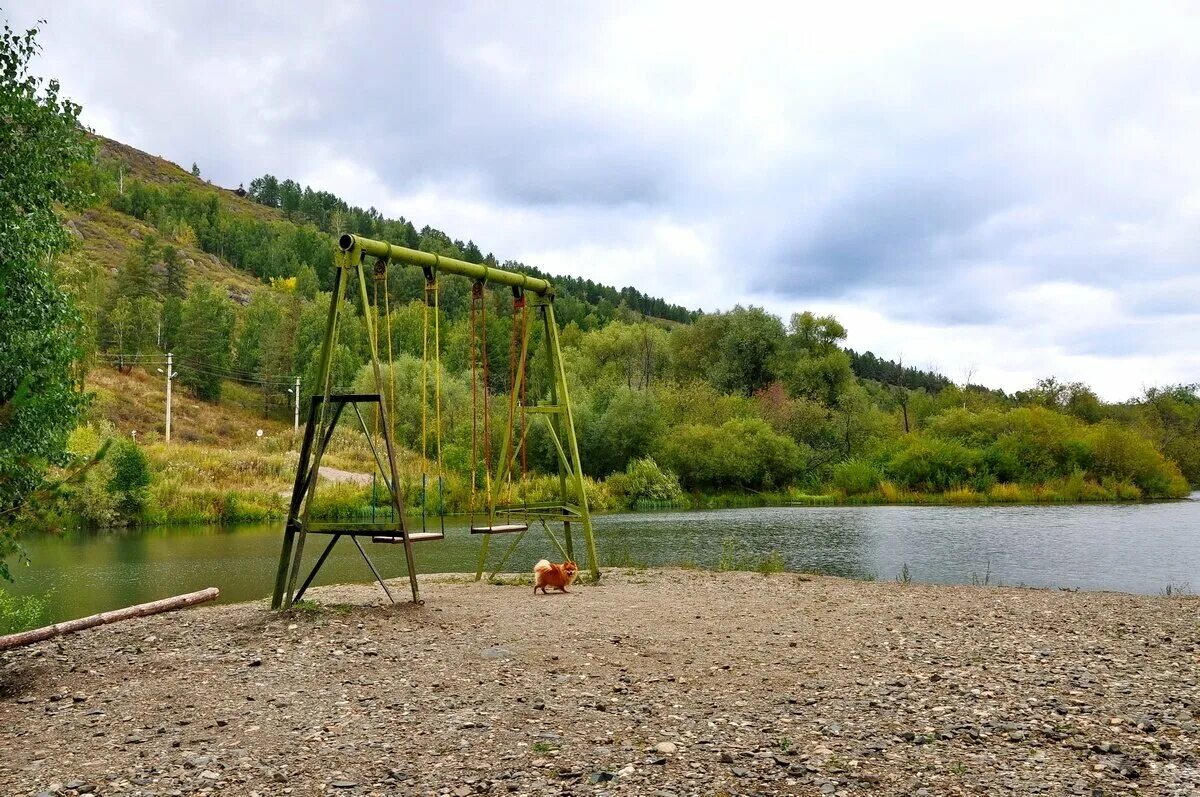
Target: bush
(93,502)
(930,463)
(19,613)
(1121,454)
(644,480)
(738,453)
(855,476)
(130,476)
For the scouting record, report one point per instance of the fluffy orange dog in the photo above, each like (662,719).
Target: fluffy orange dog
(557,576)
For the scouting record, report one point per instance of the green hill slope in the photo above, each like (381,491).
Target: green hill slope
(735,404)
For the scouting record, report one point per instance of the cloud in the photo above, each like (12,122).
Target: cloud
(1010,189)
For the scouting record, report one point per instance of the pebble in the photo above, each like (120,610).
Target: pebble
(697,686)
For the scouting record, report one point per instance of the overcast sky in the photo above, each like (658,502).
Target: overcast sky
(1009,193)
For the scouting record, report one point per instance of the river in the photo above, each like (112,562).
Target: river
(1142,548)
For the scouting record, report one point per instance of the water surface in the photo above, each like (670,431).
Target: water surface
(1129,547)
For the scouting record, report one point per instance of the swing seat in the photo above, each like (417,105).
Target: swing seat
(420,536)
(508,528)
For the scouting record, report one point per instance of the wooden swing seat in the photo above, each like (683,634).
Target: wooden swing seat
(508,528)
(420,536)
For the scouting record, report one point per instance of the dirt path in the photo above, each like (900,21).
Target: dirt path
(336,475)
(656,683)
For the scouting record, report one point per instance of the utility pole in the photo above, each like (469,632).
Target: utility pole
(170,375)
(296,412)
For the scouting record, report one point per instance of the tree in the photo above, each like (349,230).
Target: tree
(175,278)
(129,481)
(195,170)
(170,320)
(259,317)
(748,350)
(307,283)
(135,277)
(265,190)
(204,334)
(814,334)
(40,400)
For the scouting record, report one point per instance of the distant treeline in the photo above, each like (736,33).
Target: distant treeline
(889,372)
(334,215)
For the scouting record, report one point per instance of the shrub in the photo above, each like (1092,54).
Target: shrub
(1121,454)
(929,463)
(644,480)
(93,502)
(738,453)
(19,613)
(855,476)
(130,476)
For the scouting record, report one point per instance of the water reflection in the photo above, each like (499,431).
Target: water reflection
(1135,548)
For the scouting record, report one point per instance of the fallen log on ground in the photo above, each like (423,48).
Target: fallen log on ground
(104,618)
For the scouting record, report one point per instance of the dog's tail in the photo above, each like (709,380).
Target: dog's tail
(543,566)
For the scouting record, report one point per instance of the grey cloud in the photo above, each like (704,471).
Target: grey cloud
(932,173)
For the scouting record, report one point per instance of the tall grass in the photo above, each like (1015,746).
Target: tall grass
(20,612)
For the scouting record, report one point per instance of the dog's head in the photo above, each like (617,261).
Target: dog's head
(570,568)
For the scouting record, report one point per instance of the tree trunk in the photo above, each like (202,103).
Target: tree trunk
(104,618)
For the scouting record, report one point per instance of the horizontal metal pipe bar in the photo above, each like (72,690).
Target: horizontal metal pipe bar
(413,257)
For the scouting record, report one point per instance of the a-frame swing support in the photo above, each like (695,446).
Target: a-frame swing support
(326,408)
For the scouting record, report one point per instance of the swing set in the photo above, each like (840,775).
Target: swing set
(490,482)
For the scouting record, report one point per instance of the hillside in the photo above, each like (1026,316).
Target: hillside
(733,404)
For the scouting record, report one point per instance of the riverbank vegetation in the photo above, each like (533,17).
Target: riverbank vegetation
(682,409)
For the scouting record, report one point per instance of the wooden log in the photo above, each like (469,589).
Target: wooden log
(104,618)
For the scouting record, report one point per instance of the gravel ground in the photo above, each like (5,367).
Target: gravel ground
(658,682)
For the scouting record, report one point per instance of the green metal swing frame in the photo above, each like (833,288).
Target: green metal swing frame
(326,407)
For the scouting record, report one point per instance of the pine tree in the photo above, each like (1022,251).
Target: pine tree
(204,338)
(171,319)
(174,281)
(195,170)
(135,277)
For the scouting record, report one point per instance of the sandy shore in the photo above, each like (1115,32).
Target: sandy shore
(657,682)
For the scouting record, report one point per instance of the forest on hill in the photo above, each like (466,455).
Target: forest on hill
(669,402)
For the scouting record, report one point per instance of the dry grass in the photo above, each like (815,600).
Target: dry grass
(137,401)
(106,237)
(153,169)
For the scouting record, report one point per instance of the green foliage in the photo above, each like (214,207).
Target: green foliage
(923,462)
(822,377)
(205,328)
(1170,417)
(175,276)
(855,477)
(735,351)
(644,480)
(129,479)
(20,613)
(624,427)
(40,142)
(738,453)
(258,319)
(1122,455)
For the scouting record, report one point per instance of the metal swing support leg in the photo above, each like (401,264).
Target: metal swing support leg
(324,412)
(559,415)
(562,422)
